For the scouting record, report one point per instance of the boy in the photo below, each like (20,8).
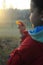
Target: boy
(30,52)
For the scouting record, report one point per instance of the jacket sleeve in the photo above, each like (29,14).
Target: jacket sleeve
(24,36)
(15,58)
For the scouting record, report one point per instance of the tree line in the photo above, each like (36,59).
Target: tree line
(14,14)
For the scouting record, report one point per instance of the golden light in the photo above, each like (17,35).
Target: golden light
(19,4)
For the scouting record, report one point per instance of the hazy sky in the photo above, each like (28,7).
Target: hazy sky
(19,4)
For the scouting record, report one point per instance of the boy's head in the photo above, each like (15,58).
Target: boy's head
(36,16)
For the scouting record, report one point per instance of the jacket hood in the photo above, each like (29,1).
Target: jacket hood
(37,33)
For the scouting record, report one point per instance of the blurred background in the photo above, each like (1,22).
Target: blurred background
(10,12)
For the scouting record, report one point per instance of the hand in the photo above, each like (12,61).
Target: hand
(21,26)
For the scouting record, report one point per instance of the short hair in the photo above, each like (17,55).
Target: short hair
(38,4)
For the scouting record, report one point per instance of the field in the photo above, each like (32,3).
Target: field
(9,39)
